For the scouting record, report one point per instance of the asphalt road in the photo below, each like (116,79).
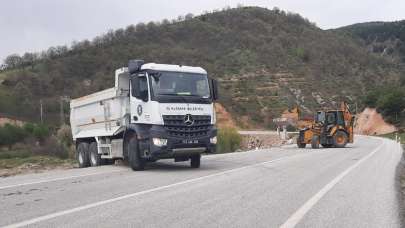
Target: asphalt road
(288,187)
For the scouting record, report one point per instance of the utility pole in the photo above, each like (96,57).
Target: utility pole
(61,108)
(61,112)
(41,111)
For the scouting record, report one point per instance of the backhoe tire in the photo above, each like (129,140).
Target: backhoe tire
(300,144)
(315,142)
(195,161)
(327,145)
(340,139)
(83,154)
(95,157)
(134,158)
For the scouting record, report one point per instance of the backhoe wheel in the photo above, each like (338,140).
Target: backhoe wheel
(340,139)
(315,142)
(327,145)
(195,161)
(83,154)
(95,157)
(134,158)
(300,144)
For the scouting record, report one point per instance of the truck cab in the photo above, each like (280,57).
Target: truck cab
(155,111)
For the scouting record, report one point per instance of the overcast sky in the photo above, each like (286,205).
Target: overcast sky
(35,25)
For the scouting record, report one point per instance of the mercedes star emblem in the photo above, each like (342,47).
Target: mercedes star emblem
(188,120)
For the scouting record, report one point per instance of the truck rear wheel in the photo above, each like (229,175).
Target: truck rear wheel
(195,161)
(340,139)
(83,154)
(315,142)
(135,161)
(95,157)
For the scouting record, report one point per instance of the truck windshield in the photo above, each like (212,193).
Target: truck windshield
(180,84)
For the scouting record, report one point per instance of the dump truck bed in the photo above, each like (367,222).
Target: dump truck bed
(99,114)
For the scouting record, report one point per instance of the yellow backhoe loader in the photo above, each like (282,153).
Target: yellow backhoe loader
(331,128)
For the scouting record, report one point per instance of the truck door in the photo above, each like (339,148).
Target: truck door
(139,101)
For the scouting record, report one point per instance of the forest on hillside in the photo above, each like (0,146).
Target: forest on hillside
(265,60)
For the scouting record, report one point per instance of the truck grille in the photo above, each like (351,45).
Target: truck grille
(176,126)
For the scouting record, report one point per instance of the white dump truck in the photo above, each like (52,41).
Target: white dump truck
(154,111)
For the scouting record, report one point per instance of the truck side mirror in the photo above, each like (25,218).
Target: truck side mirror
(214,85)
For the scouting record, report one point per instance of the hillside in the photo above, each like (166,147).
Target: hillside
(265,60)
(387,40)
(382,38)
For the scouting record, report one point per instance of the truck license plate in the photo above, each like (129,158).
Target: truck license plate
(189,141)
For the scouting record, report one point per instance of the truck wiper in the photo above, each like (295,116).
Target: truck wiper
(168,94)
(175,94)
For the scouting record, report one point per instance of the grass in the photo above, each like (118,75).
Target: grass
(16,158)
(392,136)
(38,161)
(2,76)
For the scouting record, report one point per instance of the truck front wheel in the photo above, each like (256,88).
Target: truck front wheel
(195,161)
(135,161)
(83,154)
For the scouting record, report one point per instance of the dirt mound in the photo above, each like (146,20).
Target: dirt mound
(224,118)
(370,122)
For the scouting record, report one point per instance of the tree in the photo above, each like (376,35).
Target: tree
(392,103)
(13,61)
(189,16)
(28,59)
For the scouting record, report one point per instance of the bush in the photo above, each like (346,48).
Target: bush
(52,147)
(40,132)
(29,127)
(388,100)
(291,128)
(64,136)
(229,140)
(11,134)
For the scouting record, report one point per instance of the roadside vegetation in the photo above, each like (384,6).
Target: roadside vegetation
(389,101)
(34,146)
(392,136)
(229,140)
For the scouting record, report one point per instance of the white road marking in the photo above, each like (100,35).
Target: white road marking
(56,179)
(295,218)
(100,203)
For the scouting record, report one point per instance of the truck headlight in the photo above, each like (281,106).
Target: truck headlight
(159,142)
(213,140)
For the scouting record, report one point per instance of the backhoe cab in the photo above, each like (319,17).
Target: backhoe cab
(331,128)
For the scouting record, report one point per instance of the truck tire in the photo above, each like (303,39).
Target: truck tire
(135,161)
(315,142)
(83,154)
(340,139)
(195,161)
(95,157)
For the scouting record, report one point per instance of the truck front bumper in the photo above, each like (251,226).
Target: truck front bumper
(180,147)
